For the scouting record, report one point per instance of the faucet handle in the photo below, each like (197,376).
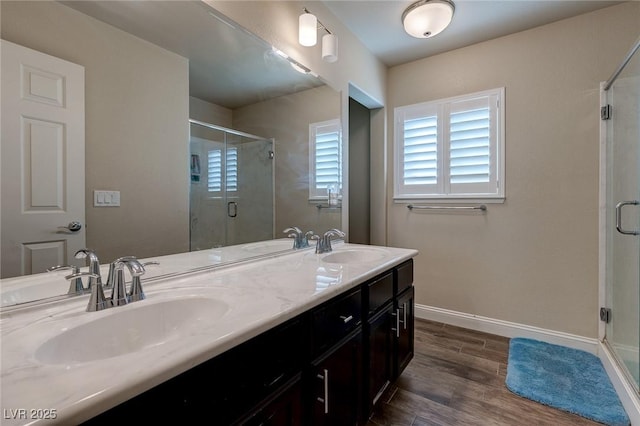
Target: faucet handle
(136,293)
(295,229)
(335,233)
(76,286)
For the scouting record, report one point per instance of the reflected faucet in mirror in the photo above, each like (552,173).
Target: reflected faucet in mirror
(300,240)
(76,286)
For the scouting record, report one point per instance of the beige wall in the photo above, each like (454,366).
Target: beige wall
(210,113)
(136,126)
(287,119)
(534,259)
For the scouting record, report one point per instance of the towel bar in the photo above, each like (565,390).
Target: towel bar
(480,207)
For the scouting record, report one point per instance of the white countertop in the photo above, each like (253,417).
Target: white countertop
(260,294)
(36,287)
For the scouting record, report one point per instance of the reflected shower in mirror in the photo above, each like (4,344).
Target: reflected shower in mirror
(231,197)
(150,67)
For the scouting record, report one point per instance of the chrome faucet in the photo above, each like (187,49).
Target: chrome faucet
(112,270)
(76,286)
(119,294)
(323,244)
(97,301)
(300,240)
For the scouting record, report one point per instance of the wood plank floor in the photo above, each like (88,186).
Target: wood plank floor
(457,378)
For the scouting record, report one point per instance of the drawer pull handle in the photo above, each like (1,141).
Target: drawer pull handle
(325,400)
(346,319)
(274,381)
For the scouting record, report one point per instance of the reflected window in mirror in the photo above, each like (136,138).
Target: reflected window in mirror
(325,159)
(215,178)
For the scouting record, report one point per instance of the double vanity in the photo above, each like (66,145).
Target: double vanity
(283,337)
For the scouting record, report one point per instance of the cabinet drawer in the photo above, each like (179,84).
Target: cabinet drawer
(404,276)
(380,292)
(335,320)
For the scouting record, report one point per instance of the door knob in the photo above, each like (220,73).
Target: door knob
(73,226)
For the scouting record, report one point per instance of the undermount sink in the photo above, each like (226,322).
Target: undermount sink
(129,329)
(356,255)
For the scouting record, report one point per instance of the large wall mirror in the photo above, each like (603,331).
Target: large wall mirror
(200,128)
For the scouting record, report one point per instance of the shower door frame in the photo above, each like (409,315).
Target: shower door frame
(226,131)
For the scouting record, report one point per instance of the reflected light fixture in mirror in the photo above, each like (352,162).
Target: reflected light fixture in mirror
(308,29)
(294,64)
(427,18)
(308,26)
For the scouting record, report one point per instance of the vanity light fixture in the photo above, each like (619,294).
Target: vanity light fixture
(308,26)
(427,18)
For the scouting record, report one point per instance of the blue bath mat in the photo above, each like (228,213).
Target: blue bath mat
(565,378)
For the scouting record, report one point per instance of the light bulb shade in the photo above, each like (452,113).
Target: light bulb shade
(427,18)
(330,48)
(308,29)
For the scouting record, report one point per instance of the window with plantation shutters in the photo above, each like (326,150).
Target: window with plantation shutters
(451,148)
(325,157)
(215,166)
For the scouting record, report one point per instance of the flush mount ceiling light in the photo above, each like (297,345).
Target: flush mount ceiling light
(426,18)
(308,26)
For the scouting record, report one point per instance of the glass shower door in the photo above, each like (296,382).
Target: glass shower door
(250,189)
(623,220)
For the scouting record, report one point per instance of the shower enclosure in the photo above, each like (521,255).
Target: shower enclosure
(620,219)
(232,187)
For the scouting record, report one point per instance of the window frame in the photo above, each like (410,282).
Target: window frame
(315,194)
(443,190)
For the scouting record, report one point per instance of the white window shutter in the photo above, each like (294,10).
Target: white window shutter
(325,157)
(214,170)
(452,148)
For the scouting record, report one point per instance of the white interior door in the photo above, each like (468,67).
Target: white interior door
(42,159)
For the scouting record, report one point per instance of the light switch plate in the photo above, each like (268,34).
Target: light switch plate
(106,198)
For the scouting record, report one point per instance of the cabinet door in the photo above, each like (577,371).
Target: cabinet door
(336,389)
(380,354)
(285,409)
(404,333)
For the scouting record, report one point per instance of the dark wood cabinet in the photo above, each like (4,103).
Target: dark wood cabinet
(403,350)
(379,354)
(327,366)
(284,408)
(336,383)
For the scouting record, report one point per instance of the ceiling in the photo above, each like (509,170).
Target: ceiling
(378,25)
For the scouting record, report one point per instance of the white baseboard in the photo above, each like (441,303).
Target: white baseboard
(626,393)
(505,328)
